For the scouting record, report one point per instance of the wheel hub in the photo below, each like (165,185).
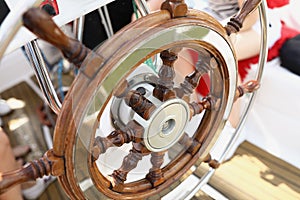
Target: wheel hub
(166,124)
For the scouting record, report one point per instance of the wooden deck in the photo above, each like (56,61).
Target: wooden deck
(251,174)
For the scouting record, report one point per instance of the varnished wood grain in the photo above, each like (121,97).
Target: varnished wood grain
(236,22)
(41,24)
(254,170)
(98,66)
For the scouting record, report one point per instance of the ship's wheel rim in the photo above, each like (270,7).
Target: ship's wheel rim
(186,25)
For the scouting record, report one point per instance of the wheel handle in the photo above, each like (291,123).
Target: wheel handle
(41,24)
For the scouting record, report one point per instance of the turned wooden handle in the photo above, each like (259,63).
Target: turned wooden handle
(16,177)
(31,171)
(236,22)
(48,164)
(177,8)
(41,24)
(248,87)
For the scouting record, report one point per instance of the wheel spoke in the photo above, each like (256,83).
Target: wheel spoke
(191,81)
(155,175)
(164,89)
(211,162)
(248,87)
(191,144)
(139,104)
(132,132)
(198,107)
(119,176)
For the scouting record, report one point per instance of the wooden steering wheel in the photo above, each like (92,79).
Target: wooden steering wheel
(128,131)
